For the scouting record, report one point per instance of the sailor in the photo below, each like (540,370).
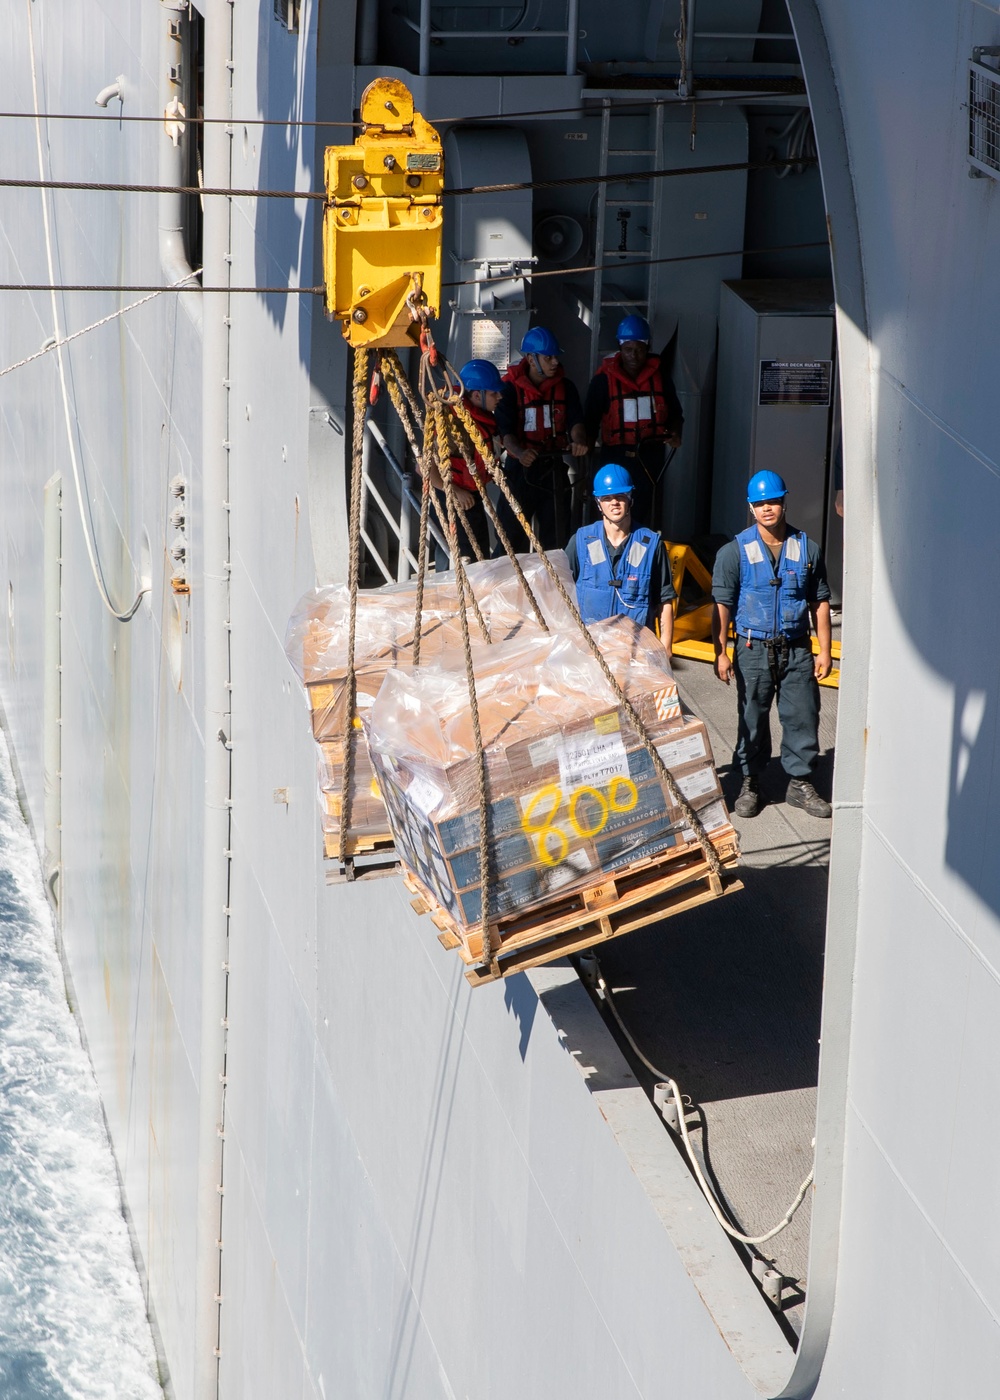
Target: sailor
(770,580)
(632,403)
(482,384)
(539,419)
(621,569)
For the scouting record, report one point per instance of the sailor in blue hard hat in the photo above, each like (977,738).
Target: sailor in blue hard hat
(621,569)
(482,385)
(540,421)
(770,582)
(632,405)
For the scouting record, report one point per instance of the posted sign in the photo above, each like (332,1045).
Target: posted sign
(795,381)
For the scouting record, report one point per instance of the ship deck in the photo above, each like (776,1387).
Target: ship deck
(726,1000)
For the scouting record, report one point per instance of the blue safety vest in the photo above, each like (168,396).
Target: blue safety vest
(772,601)
(602,593)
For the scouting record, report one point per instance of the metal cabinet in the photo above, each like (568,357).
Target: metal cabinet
(775,399)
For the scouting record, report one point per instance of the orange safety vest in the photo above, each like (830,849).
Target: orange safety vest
(637,408)
(542,407)
(486,423)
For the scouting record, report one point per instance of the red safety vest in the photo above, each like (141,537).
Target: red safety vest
(542,407)
(637,408)
(486,423)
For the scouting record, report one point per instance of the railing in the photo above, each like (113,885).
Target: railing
(689,9)
(399,522)
(426,32)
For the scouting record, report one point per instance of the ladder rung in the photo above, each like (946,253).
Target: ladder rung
(630,301)
(625,151)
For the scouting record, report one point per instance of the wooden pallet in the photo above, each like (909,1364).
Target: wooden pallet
(358,845)
(642,894)
(365,854)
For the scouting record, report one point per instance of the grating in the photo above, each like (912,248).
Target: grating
(984,114)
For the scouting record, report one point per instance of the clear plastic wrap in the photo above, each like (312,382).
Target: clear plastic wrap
(316,644)
(369,821)
(572,791)
(316,641)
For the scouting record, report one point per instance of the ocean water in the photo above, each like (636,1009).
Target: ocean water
(72,1316)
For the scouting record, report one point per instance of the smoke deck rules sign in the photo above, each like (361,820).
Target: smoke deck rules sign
(795,381)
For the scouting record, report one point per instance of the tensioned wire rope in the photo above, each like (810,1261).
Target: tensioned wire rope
(189,283)
(112,187)
(585,108)
(508,187)
(186,284)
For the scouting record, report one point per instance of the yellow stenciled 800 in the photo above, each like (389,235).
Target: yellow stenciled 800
(587,811)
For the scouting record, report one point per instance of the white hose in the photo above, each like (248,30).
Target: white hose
(707,1191)
(95,564)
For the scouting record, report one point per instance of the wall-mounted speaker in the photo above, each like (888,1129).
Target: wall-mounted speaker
(557,238)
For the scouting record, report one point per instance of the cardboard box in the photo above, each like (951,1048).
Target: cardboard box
(544,841)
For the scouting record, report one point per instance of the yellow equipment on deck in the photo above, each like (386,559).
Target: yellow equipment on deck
(382,222)
(693,626)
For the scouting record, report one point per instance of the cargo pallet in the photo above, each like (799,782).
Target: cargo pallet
(638,895)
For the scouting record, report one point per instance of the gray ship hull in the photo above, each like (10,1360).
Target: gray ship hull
(347,1173)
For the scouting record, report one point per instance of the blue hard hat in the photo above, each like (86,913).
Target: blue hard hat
(633,328)
(481,374)
(539,341)
(613,480)
(765,486)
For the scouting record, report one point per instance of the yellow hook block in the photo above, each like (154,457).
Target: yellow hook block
(382,222)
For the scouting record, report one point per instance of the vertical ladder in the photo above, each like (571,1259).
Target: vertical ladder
(602,214)
(649,157)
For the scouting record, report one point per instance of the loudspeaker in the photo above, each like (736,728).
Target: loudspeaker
(558,238)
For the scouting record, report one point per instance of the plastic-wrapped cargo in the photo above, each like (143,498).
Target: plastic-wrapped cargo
(573,794)
(316,644)
(369,822)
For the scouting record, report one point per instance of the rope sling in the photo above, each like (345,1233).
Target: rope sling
(449,431)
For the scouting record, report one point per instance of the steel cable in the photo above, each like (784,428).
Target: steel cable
(527,274)
(482,118)
(562,182)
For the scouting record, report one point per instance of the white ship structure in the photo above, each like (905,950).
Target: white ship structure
(348,1173)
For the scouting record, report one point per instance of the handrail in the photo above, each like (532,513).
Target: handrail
(425,30)
(370,489)
(689,33)
(409,498)
(711,34)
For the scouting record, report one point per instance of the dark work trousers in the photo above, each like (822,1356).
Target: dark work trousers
(542,492)
(645,466)
(478,524)
(761,674)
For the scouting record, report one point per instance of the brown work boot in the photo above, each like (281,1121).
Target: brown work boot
(748,802)
(801,793)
